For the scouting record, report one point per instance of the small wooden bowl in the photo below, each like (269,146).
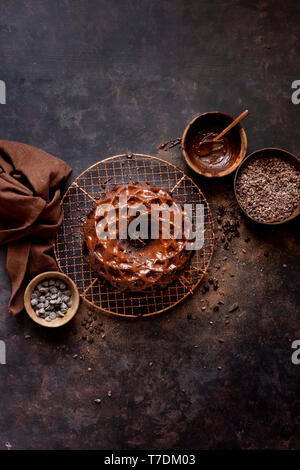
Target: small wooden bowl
(275,152)
(236,143)
(70,312)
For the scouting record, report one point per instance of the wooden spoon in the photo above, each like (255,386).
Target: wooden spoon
(209,146)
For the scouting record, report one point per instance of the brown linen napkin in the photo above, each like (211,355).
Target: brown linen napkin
(30,212)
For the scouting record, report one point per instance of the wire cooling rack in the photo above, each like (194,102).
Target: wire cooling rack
(79,199)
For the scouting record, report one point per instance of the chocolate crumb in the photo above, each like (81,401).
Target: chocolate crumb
(233,307)
(169,144)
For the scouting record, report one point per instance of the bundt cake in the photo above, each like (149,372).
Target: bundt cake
(136,263)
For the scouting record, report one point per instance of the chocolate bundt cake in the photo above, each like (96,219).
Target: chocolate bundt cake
(136,263)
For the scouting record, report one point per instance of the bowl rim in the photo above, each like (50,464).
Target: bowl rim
(290,156)
(58,321)
(207,174)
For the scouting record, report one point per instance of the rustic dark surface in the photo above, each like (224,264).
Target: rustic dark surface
(87,80)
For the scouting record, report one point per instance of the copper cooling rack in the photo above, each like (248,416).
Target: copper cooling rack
(79,199)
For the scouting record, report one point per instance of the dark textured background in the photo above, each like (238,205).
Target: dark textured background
(87,80)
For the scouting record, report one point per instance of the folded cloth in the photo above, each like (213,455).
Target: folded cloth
(30,212)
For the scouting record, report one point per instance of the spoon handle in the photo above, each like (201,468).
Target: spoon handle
(236,121)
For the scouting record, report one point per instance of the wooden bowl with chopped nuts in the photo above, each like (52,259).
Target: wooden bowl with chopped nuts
(266,186)
(51,299)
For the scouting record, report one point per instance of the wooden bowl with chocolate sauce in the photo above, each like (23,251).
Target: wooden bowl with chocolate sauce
(233,145)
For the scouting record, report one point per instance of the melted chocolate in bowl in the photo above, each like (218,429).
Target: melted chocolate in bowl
(224,157)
